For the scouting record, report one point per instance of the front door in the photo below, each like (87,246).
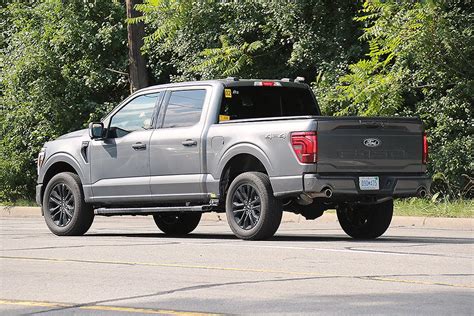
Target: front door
(120,163)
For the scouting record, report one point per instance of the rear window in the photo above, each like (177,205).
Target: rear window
(259,102)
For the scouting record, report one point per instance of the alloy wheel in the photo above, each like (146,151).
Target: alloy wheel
(246,206)
(61,204)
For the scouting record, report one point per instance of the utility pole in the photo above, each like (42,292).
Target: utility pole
(138,75)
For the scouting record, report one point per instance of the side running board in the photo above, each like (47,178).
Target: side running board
(150,210)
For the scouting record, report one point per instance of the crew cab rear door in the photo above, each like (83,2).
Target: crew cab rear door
(369,145)
(176,146)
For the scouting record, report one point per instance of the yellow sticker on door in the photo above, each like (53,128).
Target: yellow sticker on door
(228,93)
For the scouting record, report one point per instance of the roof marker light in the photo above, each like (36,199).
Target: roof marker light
(267,84)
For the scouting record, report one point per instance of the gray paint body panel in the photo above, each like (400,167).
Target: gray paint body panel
(176,169)
(118,170)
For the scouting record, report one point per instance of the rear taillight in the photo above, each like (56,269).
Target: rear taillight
(305,146)
(425,149)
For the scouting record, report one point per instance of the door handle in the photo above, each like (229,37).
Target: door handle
(189,142)
(139,146)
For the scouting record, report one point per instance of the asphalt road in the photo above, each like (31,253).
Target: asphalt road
(124,266)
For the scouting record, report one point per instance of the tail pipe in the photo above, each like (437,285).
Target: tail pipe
(422,192)
(327,192)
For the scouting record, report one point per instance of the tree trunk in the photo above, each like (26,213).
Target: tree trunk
(138,75)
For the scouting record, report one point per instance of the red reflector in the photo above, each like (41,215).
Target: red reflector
(425,149)
(268,83)
(305,146)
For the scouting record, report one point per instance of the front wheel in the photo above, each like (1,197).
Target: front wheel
(365,221)
(177,224)
(65,211)
(252,210)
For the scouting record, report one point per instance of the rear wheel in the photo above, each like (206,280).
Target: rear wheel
(177,223)
(365,221)
(65,211)
(252,210)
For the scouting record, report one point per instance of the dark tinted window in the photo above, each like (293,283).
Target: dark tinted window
(135,115)
(257,102)
(184,108)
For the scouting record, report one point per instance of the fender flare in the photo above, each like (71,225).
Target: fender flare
(243,148)
(61,157)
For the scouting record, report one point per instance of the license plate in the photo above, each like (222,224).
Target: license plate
(369,183)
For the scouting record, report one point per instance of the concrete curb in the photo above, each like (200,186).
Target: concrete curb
(20,211)
(328,217)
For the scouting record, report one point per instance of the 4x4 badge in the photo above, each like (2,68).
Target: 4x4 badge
(271,136)
(372,142)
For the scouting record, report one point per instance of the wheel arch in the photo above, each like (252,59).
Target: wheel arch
(243,148)
(236,165)
(57,164)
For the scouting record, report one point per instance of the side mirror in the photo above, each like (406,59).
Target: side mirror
(96,130)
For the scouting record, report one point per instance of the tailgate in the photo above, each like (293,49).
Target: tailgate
(370,145)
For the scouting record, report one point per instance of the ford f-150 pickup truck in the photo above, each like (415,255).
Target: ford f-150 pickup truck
(249,148)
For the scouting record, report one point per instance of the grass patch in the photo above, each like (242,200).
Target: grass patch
(429,208)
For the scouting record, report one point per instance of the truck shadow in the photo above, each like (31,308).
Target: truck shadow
(299,238)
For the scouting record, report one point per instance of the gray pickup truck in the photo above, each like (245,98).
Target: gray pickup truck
(249,148)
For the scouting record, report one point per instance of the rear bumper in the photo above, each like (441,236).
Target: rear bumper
(390,185)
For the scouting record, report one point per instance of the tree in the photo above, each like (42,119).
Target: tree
(419,63)
(259,39)
(54,59)
(62,65)
(137,63)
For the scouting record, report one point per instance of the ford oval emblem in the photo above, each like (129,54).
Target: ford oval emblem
(372,142)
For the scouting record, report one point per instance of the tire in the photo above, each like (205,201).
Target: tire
(248,218)
(365,221)
(177,224)
(65,211)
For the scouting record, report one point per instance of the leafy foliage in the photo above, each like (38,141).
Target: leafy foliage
(252,39)
(54,57)
(419,63)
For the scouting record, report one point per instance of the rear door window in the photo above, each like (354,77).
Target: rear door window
(259,102)
(184,108)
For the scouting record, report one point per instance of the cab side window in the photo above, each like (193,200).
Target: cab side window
(184,108)
(135,115)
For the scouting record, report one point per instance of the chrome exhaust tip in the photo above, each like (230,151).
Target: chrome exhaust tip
(327,192)
(422,192)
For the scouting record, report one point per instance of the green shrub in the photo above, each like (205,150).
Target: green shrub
(54,57)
